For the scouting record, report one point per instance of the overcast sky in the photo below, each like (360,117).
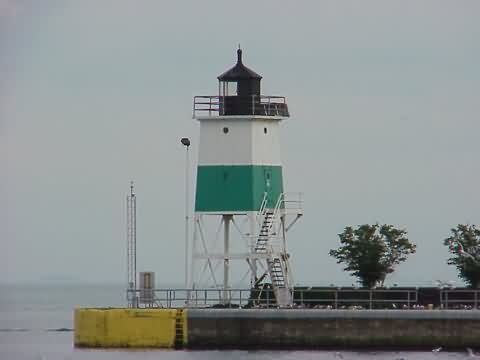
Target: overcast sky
(384,99)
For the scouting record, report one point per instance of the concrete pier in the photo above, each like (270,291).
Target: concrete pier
(291,328)
(276,328)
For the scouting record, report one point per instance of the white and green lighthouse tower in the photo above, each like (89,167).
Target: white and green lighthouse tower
(241,208)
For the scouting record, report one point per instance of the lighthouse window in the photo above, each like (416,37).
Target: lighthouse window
(225,130)
(231,88)
(228,88)
(264,130)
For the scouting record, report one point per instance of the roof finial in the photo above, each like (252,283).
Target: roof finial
(239,55)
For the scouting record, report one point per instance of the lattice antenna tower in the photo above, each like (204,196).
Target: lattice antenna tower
(132,238)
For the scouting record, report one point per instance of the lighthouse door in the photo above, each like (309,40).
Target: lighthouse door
(268,186)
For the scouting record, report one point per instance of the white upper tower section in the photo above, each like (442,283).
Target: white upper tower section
(239,140)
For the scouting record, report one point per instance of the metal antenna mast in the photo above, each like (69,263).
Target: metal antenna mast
(131,245)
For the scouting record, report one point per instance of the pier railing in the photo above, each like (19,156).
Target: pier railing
(334,298)
(460,298)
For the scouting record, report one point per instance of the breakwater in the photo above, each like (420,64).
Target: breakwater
(276,328)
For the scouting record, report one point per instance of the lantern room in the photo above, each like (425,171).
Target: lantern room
(239,93)
(239,88)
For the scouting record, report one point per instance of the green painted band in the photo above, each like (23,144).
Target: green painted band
(237,187)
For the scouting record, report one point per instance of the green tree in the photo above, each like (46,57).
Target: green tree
(370,252)
(464,245)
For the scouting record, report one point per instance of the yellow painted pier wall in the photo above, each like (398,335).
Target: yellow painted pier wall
(275,328)
(159,328)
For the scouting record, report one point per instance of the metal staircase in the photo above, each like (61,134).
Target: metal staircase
(265,230)
(276,258)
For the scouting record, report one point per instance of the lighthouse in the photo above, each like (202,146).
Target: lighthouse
(242,213)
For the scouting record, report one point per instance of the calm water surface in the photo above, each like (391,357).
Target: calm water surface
(35,323)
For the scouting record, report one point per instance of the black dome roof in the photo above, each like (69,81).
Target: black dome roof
(239,71)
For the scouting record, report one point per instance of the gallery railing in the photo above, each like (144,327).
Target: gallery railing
(206,105)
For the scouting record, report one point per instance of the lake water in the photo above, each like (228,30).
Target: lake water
(36,323)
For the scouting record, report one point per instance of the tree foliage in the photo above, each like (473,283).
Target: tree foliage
(464,245)
(371,252)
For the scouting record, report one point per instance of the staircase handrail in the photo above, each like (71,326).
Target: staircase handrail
(281,199)
(275,213)
(263,207)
